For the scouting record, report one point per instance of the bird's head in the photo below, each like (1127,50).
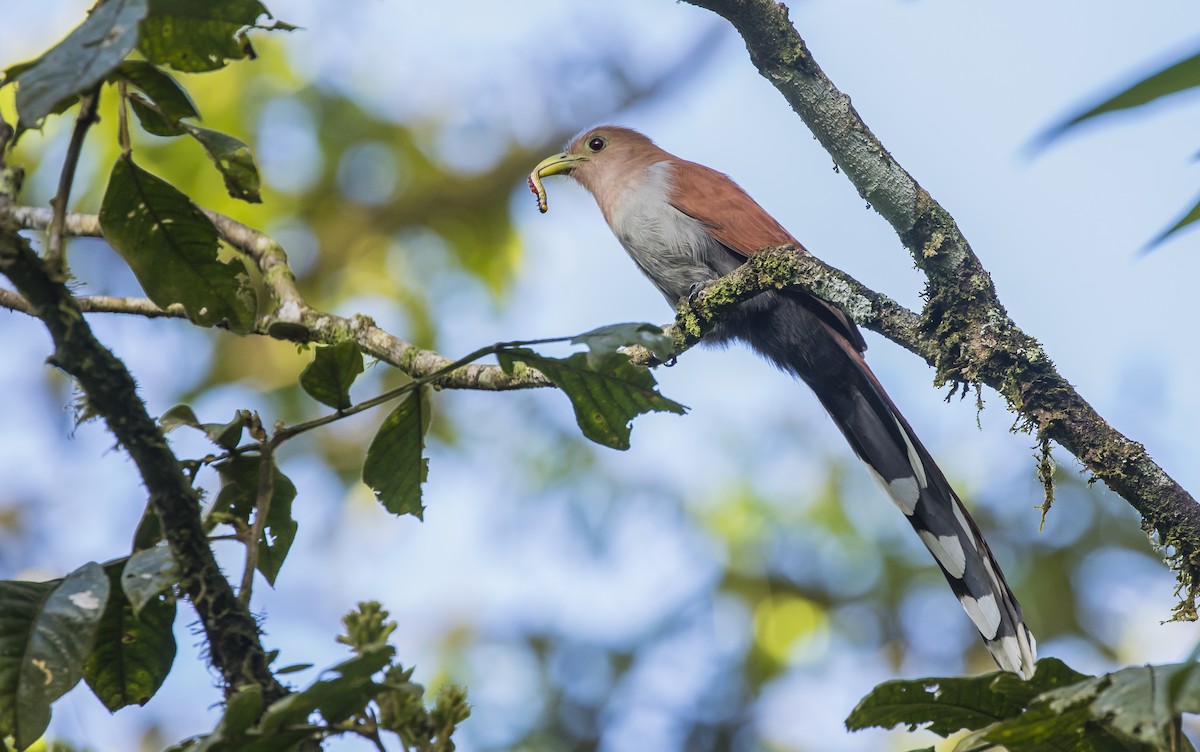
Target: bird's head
(604,159)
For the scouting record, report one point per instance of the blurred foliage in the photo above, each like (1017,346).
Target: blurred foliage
(1175,78)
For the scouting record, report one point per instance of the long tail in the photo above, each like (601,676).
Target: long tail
(802,337)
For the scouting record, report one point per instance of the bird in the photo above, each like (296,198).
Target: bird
(684,225)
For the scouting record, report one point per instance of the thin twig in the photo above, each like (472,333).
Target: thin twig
(123,118)
(83,121)
(262,507)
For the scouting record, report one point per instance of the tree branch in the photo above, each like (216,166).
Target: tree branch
(232,634)
(971,337)
(293,319)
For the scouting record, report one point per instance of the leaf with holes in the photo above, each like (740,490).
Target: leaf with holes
(47,630)
(77,63)
(948,705)
(328,378)
(606,399)
(234,160)
(395,467)
(172,248)
(133,651)
(195,37)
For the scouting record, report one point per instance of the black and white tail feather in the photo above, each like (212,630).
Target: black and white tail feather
(804,337)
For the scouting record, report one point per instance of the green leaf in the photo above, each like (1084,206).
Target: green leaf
(239,497)
(47,630)
(172,248)
(943,705)
(133,652)
(328,378)
(234,160)
(949,704)
(1190,217)
(1173,79)
(1133,703)
(80,61)
(146,575)
(394,468)
(171,99)
(605,399)
(153,121)
(605,341)
(224,435)
(201,36)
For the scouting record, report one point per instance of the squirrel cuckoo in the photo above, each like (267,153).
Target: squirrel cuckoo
(684,225)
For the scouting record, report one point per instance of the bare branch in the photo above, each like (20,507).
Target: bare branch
(972,336)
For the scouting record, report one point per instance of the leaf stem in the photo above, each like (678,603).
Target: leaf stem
(83,121)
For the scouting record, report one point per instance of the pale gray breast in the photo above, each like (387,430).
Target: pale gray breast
(670,248)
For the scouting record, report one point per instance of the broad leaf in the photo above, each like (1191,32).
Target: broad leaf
(328,378)
(943,705)
(147,574)
(605,399)
(239,497)
(224,435)
(606,340)
(200,36)
(79,62)
(233,158)
(395,467)
(47,630)
(134,651)
(164,91)
(172,248)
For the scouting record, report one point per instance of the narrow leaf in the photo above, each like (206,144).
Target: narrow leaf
(146,575)
(328,378)
(172,248)
(239,497)
(1190,217)
(605,399)
(395,467)
(1173,79)
(47,630)
(234,160)
(133,653)
(194,37)
(79,62)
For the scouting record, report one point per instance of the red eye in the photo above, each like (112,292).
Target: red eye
(597,143)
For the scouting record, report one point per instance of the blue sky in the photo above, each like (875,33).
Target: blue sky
(956,91)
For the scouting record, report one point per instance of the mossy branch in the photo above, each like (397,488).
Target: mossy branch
(231,632)
(965,332)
